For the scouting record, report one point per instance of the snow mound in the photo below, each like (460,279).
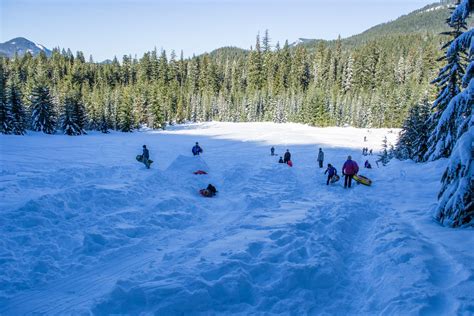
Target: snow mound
(187,164)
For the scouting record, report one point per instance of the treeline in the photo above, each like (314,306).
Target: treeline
(372,85)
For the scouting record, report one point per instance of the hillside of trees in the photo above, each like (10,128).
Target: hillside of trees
(372,85)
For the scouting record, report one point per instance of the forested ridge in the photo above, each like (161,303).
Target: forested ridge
(372,79)
(372,85)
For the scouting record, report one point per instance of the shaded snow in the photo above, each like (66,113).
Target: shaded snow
(87,229)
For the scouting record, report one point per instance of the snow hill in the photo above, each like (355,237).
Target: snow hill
(86,229)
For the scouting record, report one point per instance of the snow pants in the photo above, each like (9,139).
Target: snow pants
(320,163)
(347,180)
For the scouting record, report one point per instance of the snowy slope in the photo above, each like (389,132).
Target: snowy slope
(87,229)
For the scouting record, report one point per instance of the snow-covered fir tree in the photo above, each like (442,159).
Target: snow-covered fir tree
(449,84)
(14,104)
(4,111)
(384,156)
(455,206)
(73,116)
(415,132)
(43,117)
(104,125)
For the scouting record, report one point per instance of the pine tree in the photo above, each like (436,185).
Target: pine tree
(125,112)
(16,112)
(414,134)
(255,68)
(455,206)
(104,124)
(42,109)
(449,84)
(73,116)
(5,120)
(384,156)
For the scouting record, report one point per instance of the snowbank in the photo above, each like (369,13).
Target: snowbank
(87,229)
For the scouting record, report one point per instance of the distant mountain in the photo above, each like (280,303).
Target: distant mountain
(106,62)
(21,45)
(302,41)
(228,52)
(429,19)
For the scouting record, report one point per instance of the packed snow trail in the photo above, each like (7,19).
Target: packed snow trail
(89,230)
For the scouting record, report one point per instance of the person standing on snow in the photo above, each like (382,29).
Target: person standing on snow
(331,171)
(197,149)
(287,156)
(320,157)
(272,151)
(146,157)
(349,169)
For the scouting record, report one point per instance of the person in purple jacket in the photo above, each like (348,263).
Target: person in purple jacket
(331,171)
(349,169)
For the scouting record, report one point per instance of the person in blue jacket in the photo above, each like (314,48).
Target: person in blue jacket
(197,150)
(331,171)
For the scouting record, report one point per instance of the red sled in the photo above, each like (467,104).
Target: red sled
(290,163)
(200,172)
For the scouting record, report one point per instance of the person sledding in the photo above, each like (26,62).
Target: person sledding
(197,150)
(349,169)
(210,191)
(332,174)
(145,157)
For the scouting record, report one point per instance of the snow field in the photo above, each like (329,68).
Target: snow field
(87,229)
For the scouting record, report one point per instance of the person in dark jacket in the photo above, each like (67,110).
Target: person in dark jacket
(146,157)
(367,165)
(210,191)
(349,169)
(281,160)
(320,158)
(197,150)
(331,171)
(287,156)
(272,151)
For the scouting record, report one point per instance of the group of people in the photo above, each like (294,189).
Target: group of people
(285,159)
(366,151)
(210,191)
(349,169)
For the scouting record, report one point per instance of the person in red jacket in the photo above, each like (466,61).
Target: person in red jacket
(349,169)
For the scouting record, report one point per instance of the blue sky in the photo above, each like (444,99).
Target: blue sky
(105,28)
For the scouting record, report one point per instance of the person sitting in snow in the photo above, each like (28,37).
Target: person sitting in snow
(287,156)
(146,157)
(349,169)
(197,149)
(272,151)
(331,171)
(281,160)
(210,191)
(367,165)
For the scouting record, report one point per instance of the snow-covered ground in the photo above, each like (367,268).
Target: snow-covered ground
(86,229)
